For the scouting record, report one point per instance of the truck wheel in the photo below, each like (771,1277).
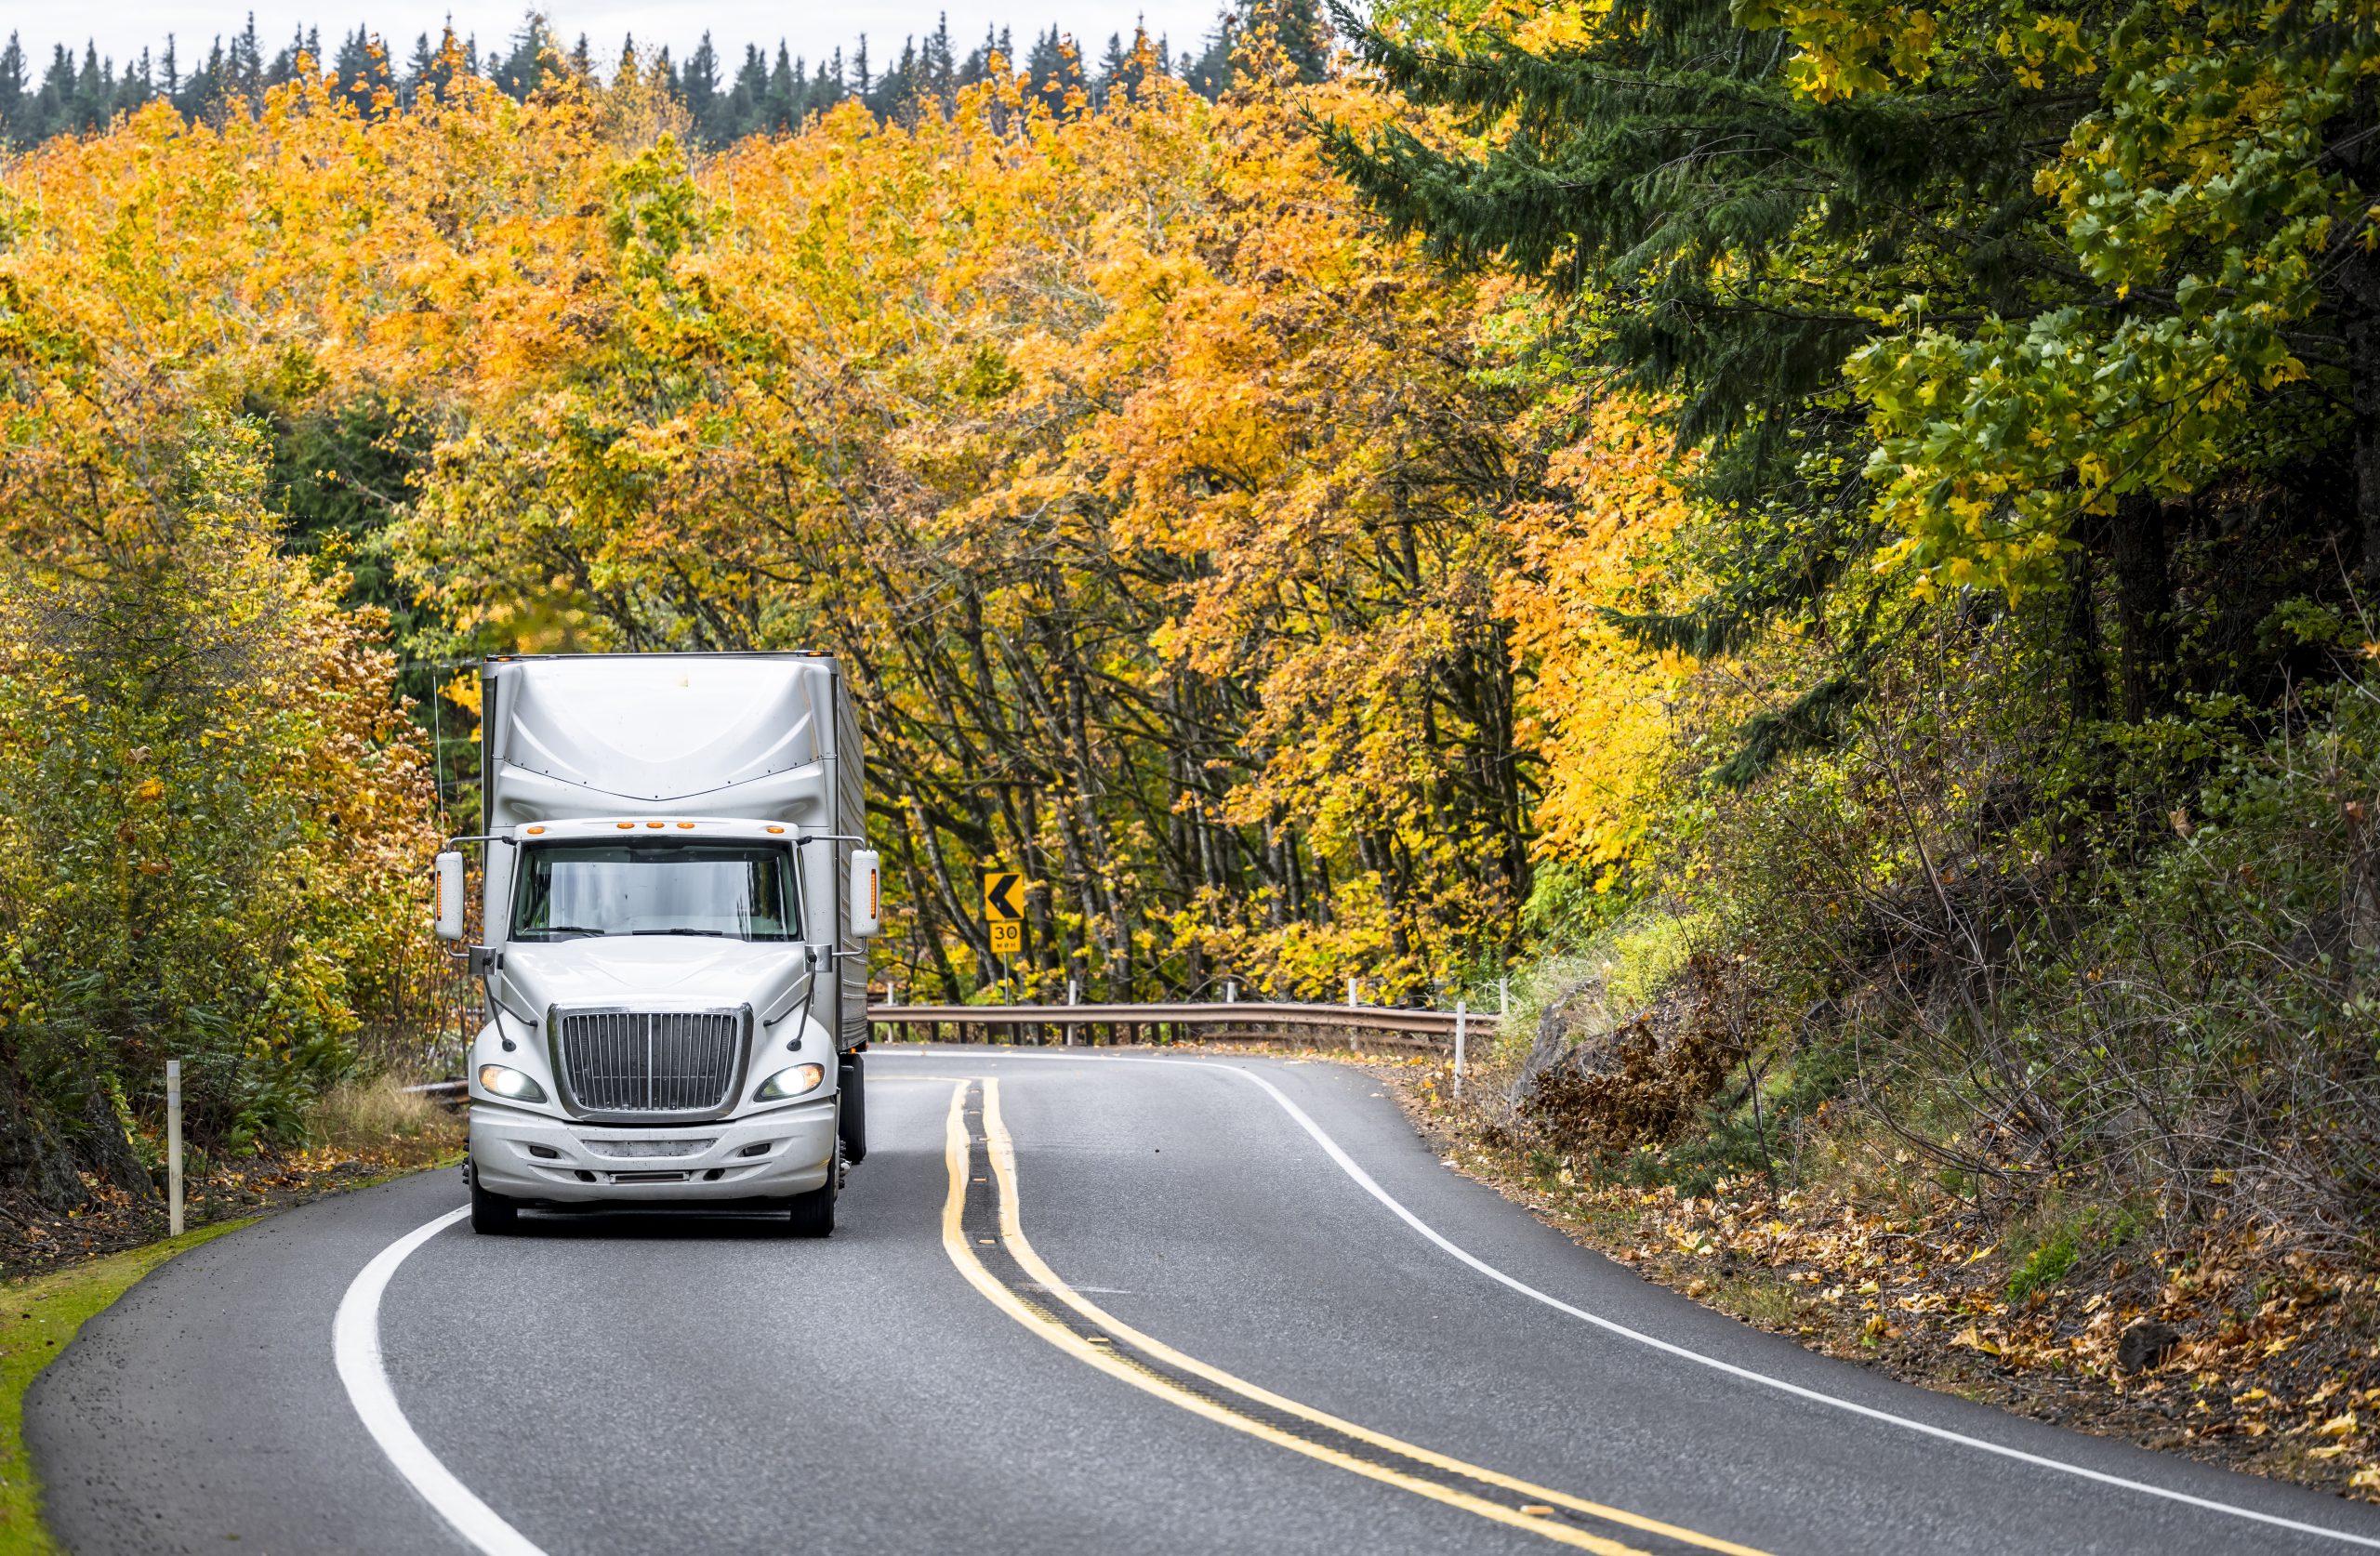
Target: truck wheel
(491,1215)
(814,1214)
(852,1118)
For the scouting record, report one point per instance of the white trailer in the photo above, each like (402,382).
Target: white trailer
(677,897)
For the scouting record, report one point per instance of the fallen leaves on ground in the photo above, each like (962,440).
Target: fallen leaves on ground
(2275,1369)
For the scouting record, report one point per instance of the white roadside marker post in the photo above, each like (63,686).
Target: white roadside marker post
(173,1147)
(1504,996)
(1459,1009)
(1073,988)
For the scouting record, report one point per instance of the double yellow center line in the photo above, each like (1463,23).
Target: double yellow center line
(983,1234)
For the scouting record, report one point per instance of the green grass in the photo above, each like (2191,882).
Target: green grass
(2046,1252)
(2045,1266)
(39,1317)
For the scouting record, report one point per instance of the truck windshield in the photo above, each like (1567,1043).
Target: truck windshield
(655,886)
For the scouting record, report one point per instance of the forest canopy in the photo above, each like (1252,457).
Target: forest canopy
(726,96)
(1161,510)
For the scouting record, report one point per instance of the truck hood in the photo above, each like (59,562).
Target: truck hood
(652,972)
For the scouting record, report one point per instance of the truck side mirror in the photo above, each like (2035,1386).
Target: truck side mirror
(450,896)
(866,912)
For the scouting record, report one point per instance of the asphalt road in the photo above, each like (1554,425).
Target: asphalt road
(1166,1319)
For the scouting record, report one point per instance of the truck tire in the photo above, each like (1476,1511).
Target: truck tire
(813,1215)
(491,1215)
(852,1119)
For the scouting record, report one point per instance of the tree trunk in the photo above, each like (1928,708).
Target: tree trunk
(2355,294)
(2086,673)
(2360,290)
(2144,606)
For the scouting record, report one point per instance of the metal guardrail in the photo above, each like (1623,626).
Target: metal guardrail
(1242,1020)
(1230,1022)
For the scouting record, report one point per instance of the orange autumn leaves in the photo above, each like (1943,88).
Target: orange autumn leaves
(1151,372)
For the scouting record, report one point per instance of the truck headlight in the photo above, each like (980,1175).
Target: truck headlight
(504,1081)
(799,1081)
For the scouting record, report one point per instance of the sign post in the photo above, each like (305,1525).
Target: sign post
(1461,1014)
(174,1219)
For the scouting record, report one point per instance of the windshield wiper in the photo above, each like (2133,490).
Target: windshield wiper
(568,929)
(719,934)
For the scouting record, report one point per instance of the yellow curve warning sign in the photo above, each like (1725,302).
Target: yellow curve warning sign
(1003,897)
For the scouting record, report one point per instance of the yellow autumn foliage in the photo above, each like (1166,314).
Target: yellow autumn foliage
(1600,709)
(1189,544)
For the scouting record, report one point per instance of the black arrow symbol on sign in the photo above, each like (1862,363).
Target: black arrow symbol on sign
(1003,896)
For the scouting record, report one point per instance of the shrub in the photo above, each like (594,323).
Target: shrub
(212,821)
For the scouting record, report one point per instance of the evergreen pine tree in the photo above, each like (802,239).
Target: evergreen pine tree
(826,88)
(435,69)
(303,51)
(135,86)
(941,64)
(782,107)
(1123,71)
(746,101)
(1723,227)
(94,85)
(698,87)
(535,55)
(1053,69)
(363,67)
(1209,74)
(1304,33)
(1111,67)
(895,96)
(243,66)
(15,101)
(978,64)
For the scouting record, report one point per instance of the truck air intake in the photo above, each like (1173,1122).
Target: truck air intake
(639,1065)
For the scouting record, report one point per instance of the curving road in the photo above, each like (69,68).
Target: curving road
(1077,1303)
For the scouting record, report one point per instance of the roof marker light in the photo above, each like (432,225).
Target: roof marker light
(625,827)
(685,827)
(536,831)
(656,825)
(776,829)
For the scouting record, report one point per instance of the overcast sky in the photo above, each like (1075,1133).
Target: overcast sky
(122,29)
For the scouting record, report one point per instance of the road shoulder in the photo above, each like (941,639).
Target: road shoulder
(39,1318)
(2251,1396)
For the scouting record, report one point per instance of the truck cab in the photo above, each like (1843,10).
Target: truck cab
(675,904)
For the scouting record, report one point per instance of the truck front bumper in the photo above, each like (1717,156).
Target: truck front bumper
(537,1158)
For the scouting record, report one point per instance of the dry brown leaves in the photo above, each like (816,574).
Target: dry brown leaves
(33,1240)
(2276,1369)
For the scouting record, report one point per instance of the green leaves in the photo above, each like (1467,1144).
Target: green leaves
(2200,192)
(210,839)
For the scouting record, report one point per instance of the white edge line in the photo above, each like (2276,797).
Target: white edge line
(1364,1179)
(355,1340)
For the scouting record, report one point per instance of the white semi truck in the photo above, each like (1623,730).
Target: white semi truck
(677,895)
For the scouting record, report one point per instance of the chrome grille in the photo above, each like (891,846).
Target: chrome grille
(649,1061)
